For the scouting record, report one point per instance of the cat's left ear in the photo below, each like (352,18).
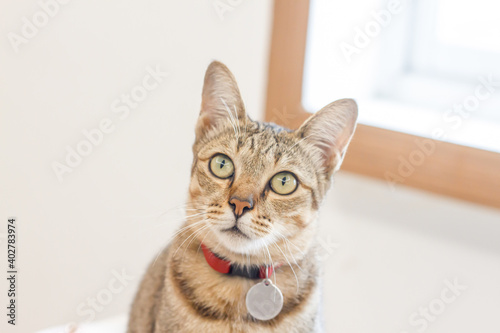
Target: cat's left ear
(329,132)
(221,100)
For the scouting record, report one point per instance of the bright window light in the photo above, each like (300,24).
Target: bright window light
(415,66)
(469,24)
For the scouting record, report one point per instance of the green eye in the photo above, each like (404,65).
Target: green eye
(283,183)
(221,166)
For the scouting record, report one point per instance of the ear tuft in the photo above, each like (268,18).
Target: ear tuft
(329,131)
(221,99)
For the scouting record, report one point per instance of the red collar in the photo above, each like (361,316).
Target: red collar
(226,267)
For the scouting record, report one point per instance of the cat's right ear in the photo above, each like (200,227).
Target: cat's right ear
(221,100)
(329,132)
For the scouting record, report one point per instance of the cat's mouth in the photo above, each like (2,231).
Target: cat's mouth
(235,231)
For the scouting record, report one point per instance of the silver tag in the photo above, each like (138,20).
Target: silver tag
(264,300)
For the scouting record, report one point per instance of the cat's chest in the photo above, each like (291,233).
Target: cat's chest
(213,297)
(209,293)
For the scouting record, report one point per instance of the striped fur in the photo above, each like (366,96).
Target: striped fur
(180,292)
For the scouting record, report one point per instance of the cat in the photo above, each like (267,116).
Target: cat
(253,202)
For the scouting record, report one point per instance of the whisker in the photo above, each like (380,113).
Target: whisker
(158,214)
(181,230)
(287,242)
(185,219)
(199,247)
(177,233)
(217,246)
(282,237)
(285,238)
(270,258)
(203,227)
(293,257)
(192,239)
(288,261)
(158,255)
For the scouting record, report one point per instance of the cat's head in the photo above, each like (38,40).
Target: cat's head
(255,184)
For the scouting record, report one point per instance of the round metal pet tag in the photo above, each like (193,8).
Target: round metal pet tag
(264,300)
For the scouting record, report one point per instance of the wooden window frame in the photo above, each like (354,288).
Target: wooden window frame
(458,171)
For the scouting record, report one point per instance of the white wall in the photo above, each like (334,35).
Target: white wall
(391,250)
(103,216)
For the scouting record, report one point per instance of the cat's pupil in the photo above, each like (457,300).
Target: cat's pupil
(222,163)
(283,181)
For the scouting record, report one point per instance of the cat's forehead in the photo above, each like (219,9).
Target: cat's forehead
(265,141)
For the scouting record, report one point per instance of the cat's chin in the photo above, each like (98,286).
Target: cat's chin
(241,244)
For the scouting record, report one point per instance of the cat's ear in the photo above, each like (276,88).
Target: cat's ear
(221,100)
(329,131)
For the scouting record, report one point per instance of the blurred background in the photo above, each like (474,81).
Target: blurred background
(408,63)
(94,209)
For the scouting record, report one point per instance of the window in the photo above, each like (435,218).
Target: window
(421,71)
(423,67)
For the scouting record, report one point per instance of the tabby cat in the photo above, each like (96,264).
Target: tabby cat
(253,203)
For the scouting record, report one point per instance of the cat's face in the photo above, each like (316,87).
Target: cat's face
(256,184)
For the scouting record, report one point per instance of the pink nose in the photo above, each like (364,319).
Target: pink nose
(239,206)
